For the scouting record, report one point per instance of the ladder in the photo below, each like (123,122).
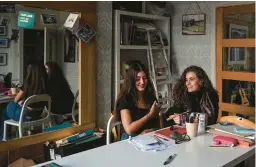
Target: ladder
(165,79)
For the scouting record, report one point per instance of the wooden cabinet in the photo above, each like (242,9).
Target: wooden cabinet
(235,51)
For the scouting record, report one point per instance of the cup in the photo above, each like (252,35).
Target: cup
(191,129)
(14,91)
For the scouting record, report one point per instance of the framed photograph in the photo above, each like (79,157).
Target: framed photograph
(4,21)
(85,33)
(3,59)
(48,19)
(7,8)
(237,55)
(3,31)
(193,24)
(3,43)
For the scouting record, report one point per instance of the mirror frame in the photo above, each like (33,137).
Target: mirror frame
(86,70)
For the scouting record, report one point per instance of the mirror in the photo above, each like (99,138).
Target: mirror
(40,44)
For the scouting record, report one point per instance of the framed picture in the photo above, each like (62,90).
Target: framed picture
(3,43)
(48,19)
(237,55)
(3,31)
(3,59)
(193,24)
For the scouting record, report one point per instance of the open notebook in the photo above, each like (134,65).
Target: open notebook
(166,132)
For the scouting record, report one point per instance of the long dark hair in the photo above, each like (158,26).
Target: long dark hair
(180,93)
(56,76)
(129,86)
(36,80)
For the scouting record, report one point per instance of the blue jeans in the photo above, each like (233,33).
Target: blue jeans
(126,136)
(12,111)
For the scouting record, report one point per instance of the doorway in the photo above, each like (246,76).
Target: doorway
(33,48)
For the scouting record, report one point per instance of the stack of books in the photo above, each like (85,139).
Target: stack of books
(244,136)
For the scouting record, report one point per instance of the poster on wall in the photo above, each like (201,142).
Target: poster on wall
(71,20)
(86,33)
(26,19)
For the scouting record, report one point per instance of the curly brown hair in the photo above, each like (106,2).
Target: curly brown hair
(180,93)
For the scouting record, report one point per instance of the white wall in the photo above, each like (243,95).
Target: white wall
(70,70)
(195,49)
(12,52)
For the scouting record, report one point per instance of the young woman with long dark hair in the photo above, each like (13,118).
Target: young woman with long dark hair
(59,89)
(136,104)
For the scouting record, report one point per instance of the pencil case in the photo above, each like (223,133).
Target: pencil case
(224,140)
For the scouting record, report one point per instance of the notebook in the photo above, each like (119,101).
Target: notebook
(166,133)
(230,129)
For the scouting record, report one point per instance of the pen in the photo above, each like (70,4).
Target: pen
(169,159)
(171,117)
(220,146)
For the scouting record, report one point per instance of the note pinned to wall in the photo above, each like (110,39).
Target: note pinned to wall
(71,20)
(26,19)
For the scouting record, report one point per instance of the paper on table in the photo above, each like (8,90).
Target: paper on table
(150,143)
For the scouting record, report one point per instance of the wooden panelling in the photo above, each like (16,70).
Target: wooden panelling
(239,9)
(238,109)
(238,42)
(87,74)
(240,76)
(219,26)
(41,137)
(69,6)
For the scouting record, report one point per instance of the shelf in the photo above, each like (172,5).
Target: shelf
(140,47)
(121,81)
(142,15)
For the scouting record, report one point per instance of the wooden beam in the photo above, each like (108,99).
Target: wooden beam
(68,6)
(249,42)
(42,137)
(237,109)
(239,76)
(241,9)
(219,35)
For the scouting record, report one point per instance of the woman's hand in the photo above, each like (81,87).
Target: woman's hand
(153,110)
(146,131)
(176,118)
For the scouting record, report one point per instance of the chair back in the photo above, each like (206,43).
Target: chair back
(111,124)
(46,110)
(74,110)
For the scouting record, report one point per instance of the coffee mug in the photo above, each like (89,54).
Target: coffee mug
(192,129)
(14,91)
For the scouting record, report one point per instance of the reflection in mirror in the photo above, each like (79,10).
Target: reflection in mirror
(240,59)
(237,26)
(239,92)
(54,50)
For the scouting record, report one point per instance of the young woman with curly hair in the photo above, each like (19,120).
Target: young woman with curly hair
(194,92)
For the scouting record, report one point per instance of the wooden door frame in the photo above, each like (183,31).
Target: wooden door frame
(87,74)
